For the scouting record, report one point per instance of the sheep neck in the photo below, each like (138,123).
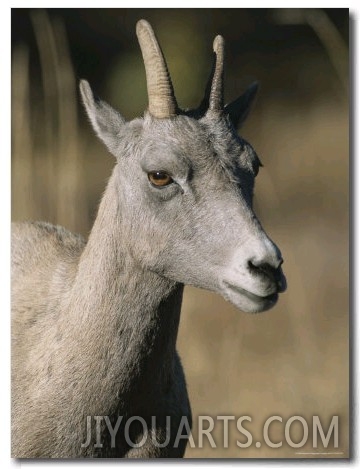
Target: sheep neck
(126,318)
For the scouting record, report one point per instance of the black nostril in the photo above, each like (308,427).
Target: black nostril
(263,268)
(274,273)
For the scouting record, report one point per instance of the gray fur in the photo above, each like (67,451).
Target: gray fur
(95,324)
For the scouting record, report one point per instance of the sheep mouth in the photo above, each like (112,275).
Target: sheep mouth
(261,302)
(252,296)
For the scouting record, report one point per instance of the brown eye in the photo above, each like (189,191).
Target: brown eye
(159,178)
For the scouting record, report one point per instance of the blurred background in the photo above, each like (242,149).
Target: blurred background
(294,359)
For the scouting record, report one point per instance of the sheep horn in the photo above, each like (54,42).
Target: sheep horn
(162,102)
(217,84)
(214,91)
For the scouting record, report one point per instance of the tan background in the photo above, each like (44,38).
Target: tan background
(294,359)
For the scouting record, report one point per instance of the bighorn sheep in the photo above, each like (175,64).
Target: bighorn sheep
(95,323)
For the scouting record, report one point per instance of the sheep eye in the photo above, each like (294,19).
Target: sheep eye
(159,178)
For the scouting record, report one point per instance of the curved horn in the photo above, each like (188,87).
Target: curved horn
(217,83)
(162,102)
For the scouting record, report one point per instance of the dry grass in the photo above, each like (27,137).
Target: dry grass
(293,360)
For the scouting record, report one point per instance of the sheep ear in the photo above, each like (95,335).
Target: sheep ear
(106,122)
(239,109)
